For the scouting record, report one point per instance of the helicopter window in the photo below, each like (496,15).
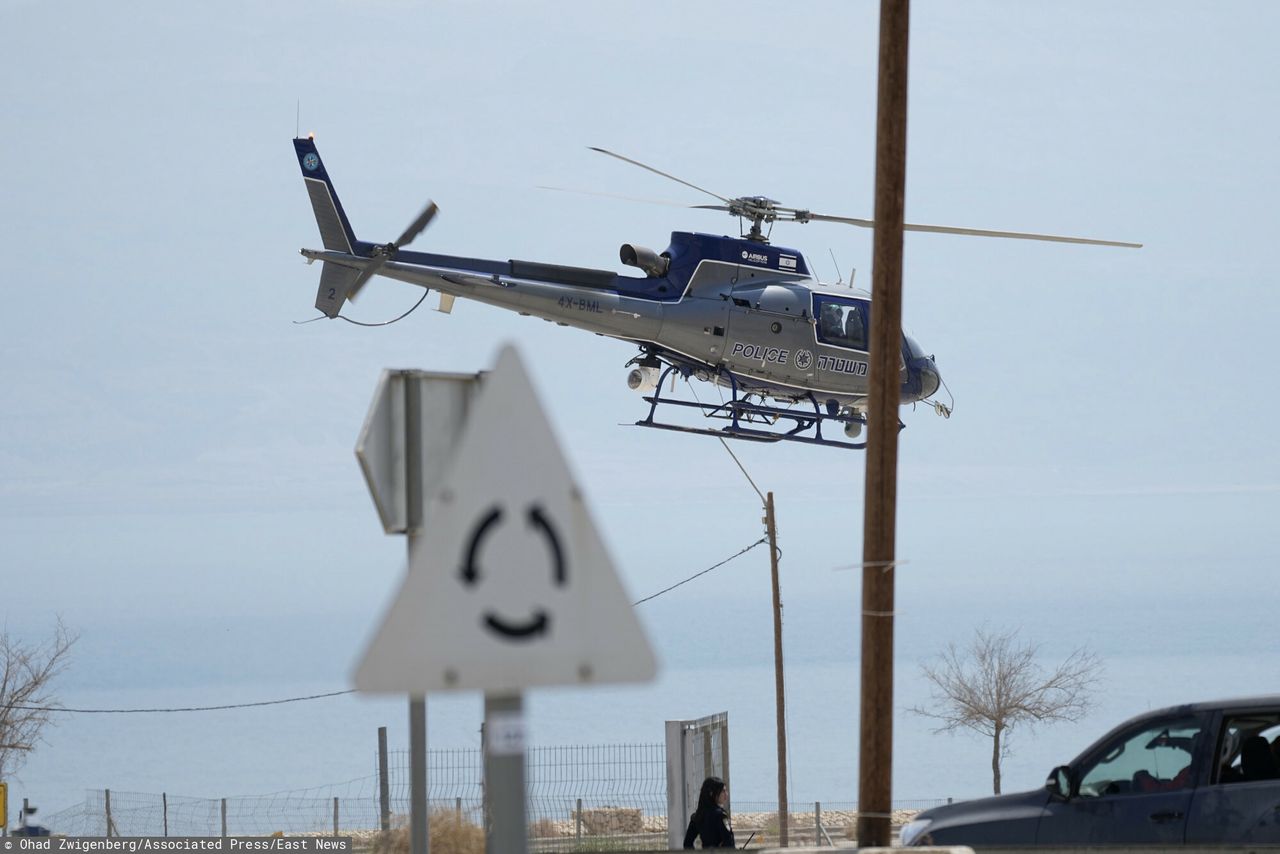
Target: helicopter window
(842,322)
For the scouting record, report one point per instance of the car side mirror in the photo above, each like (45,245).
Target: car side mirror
(1059,783)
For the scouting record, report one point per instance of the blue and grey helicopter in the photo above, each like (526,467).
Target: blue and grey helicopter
(737,312)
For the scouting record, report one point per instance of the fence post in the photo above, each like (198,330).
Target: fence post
(457,809)
(335,816)
(164,803)
(224,818)
(384,781)
(817,823)
(107,792)
(578,821)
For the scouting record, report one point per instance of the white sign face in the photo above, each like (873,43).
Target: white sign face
(510,585)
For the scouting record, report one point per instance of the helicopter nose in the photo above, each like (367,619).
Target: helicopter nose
(926,376)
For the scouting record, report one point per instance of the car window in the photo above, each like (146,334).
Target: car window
(1249,748)
(1154,759)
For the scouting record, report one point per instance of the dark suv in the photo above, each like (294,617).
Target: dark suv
(1198,774)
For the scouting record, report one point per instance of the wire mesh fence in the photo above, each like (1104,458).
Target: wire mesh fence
(813,823)
(580,798)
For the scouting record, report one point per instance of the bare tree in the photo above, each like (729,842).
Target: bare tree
(996,683)
(26,699)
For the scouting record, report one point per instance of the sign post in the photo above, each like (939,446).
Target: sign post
(407,437)
(504,772)
(509,586)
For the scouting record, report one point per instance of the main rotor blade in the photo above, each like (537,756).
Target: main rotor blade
(847,220)
(415,228)
(978,232)
(1020,235)
(665,202)
(658,172)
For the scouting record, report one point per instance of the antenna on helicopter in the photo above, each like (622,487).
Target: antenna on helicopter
(836,264)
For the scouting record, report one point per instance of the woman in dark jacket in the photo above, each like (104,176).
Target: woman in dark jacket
(709,820)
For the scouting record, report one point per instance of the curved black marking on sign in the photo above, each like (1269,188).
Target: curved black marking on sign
(525,631)
(537,519)
(471,572)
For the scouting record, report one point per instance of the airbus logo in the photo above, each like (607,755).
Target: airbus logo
(755,257)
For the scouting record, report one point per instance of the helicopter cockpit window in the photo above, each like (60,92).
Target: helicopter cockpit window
(842,322)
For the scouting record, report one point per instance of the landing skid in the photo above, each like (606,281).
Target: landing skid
(805,426)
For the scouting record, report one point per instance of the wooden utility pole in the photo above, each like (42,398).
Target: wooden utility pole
(880,503)
(777,672)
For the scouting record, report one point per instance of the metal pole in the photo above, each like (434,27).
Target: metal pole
(777,673)
(164,803)
(457,809)
(224,818)
(418,818)
(335,816)
(577,823)
(875,770)
(486,814)
(384,783)
(504,774)
(107,793)
(817,823)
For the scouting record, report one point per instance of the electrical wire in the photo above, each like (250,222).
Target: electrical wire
(317,696)
(700,574)
(744,471)
(726,444)
(186,709)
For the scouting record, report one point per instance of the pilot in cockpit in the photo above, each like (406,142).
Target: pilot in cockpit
(855,333)
(830,325)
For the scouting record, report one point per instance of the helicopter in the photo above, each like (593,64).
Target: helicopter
(739,313)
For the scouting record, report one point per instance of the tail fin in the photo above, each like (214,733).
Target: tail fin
(335,228)
(336,282)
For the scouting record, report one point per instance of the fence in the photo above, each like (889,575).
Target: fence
(579,797)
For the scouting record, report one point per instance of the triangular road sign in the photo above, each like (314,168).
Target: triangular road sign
(509,585)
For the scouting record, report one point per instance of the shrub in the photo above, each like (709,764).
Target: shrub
(448,833)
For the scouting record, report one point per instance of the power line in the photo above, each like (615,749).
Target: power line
(331,693)
(704,572)
(186,709)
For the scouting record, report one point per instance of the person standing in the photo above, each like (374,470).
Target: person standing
(710,820)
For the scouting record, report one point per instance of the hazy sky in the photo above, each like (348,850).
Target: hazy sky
(174,451)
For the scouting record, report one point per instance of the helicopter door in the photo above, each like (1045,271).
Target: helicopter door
(766,343)
(842,332)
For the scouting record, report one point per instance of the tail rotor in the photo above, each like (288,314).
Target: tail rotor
(388,251)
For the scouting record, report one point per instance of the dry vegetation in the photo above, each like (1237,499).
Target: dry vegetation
(451,833)
(448,833)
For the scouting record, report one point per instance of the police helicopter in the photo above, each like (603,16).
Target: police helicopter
(737,312)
